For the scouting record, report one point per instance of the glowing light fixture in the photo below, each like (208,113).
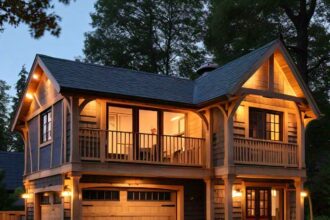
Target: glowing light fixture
(303,194)
(274,193)
(236,193)
(26,196)
(175,118)
(29,96)
(66,193)
(35,76)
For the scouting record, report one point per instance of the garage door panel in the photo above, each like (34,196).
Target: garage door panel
(132,208)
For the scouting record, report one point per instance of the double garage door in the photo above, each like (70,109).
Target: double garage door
(124,204)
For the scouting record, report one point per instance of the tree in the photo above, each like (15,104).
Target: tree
(4,101)
(238,26)
(37,14)
(16,142)
(157,36)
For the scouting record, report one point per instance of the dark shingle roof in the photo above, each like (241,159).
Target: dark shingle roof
(112,80)
(12,163)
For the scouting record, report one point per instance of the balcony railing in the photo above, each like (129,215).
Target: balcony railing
(263,152)
(108,145)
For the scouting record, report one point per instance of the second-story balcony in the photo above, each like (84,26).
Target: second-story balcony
(107,145)
(265,152)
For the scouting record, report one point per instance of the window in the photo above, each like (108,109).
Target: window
(265,124)
(44,199)
(46,126)
(174,123)
(103,195)
(148,196)
(57,198)
(258,203)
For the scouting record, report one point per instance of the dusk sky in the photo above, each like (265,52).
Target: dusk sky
(17,47)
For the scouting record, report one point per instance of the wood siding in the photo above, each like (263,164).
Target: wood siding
(33,125)
(45,157)
(218,151)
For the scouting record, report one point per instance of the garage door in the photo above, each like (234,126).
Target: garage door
(143,204)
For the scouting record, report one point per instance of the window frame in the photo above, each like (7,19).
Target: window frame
(46,135)
(264,130)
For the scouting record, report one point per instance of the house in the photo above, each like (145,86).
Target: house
(113,143)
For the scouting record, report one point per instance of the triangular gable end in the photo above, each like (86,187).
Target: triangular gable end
(40,88)
(286,78)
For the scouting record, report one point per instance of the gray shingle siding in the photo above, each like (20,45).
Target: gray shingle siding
(72,75)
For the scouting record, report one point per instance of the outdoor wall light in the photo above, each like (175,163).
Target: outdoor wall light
(29,96)
(27,196)
(35,76)
(274,192)
(66,192)
(303,194)
(236,193)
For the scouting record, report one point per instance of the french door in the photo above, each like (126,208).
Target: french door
(258,204)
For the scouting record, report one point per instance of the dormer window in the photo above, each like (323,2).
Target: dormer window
(46,126)
(265,124)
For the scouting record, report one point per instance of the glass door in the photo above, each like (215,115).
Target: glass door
(120,132)
(258,203)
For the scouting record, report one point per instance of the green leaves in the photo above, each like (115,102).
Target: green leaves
(37,14)
(154,35)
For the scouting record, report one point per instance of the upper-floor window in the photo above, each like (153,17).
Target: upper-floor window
(46,126)
(265,124)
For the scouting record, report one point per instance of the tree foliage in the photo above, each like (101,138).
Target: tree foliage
(157,36)
(37,14)
(16,142)
(4,118)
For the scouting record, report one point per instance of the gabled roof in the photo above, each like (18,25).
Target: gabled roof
(74,76)
(12,163)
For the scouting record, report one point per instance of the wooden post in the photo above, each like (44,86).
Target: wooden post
(271,73)
(299,185)
(75,156)
(209,199)
(228,181)
(301,141)
(103,131)
(36,206)
(76,209)
(207,155)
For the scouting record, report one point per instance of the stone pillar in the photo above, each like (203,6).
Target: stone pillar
(228,181)
(76,208)
(299,185)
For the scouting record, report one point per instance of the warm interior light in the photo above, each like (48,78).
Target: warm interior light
(66,193)
(26,196)
(29,96)
(175,118)
(236,193)
(35,76)
(303,194)
(274,193)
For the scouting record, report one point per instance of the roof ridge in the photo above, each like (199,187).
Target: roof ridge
(115,67)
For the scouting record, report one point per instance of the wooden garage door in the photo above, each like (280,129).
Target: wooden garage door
(127,204)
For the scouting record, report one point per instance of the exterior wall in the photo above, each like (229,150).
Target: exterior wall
(218,151)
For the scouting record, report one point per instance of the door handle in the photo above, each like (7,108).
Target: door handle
(168,205)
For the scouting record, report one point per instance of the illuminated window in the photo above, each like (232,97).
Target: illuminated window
(46,126)
(264,124)
(174,123)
